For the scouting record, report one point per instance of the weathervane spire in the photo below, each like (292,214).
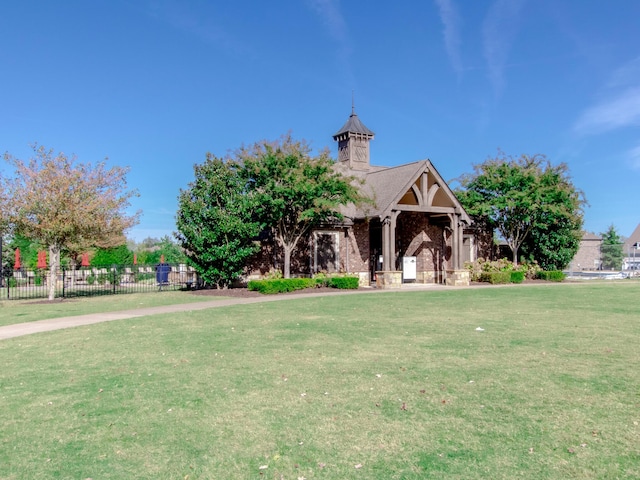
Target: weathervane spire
(353,103)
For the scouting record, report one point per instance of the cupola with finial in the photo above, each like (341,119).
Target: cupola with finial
(353,143)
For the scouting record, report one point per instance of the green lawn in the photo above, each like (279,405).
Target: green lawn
(20,311)
(396,385)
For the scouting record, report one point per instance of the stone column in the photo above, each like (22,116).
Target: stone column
(386,246)
(392,241)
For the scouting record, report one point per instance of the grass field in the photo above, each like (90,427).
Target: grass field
(19,311)
(397,385)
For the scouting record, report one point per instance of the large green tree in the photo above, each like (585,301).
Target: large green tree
(120,255)
(67,205)
(612,251)
(294,190)
(531,203)
(215,221)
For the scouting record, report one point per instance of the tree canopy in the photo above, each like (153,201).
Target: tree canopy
(67,205)
(612,251)
(294,191)
(531,203)
(271,186)
(216,224)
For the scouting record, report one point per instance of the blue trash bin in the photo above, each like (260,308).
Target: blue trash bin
(162,273)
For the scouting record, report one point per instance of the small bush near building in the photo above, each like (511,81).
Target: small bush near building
(551,275)
(344,283)
(495,277)
(283,285)
(280,285)
(517,277)
(480,270)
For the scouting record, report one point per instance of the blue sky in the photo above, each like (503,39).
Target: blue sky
(154,85)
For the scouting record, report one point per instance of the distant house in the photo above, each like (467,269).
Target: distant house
(589,254)
(413,232)
(631,251)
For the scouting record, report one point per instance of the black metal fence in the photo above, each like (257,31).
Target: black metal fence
(24,283)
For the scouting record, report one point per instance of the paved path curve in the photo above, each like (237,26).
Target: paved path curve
(20,329)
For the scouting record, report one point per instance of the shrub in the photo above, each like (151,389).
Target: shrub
(481,266)
(530,269)
(551,275)
(517,277)
(495,277)
(12,282)
(345,283)
(280,285)
(91,279)
(322,280)
(273,274)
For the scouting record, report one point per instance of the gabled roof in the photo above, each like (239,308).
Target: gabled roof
(387,187)
(591,236)
(632,240)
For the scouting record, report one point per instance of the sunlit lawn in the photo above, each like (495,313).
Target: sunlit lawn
(397,385)
(18,311)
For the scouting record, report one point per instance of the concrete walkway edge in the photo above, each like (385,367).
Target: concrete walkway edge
(21,329)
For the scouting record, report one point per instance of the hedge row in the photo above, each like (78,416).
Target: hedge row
(280,285)
(344,283)
(283,285)
(495,277)
(552,275)
(518,277)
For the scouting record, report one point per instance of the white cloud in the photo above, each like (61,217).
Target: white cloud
(451,32)
(499,30)
(619,110)
(620,106)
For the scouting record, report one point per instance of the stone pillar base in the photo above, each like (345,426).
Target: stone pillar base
(431,276)
(387,280)
(458,278)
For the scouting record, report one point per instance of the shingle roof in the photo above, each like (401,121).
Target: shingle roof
(632,240)
(387,185)
(590,236)
(353,125)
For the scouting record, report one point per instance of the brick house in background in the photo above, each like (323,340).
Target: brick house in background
(414,230)
(589,254)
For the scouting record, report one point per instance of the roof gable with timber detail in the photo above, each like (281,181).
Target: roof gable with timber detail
(412,187)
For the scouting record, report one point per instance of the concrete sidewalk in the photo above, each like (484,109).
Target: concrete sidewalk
(20,329)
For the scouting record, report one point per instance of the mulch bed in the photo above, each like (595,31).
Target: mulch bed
(245,293)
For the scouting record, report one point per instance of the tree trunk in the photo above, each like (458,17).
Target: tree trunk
(287,260)
(54,264)
(514,250)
